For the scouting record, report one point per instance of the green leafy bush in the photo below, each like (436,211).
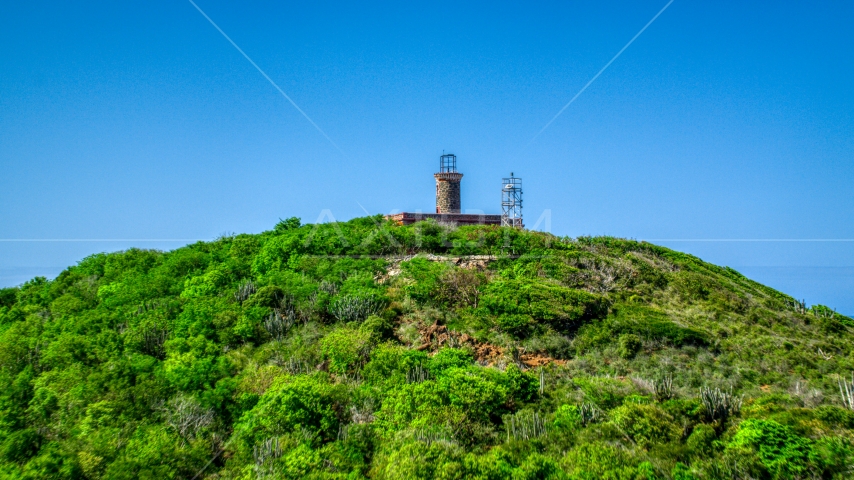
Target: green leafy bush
(645,424)
(629,345)
(642,322)
(290,403)
(345,348)
(596,460)
(567,418)
(783,453)
(701,441)
(522,305)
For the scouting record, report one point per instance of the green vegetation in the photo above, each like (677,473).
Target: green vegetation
(369,350)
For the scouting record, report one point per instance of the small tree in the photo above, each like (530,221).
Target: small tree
(287,224)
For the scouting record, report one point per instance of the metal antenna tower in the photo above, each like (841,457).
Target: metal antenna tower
(511,202)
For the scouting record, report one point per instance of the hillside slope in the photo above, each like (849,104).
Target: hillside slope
(366,349)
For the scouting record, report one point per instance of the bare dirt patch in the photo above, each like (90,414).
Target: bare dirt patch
(436,336)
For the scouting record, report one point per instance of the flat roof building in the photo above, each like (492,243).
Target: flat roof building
(408,218)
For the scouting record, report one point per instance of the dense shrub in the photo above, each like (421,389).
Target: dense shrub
(345,348)
(596,460)
(524,305)
(293,402)
(701,441)
(629,345)
(645,424)
(783,453)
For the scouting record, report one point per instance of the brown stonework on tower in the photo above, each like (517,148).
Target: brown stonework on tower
(448,185)
(448,192)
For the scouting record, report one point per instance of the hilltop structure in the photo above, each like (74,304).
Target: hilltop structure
(448,204)
(511,202)
(448,185)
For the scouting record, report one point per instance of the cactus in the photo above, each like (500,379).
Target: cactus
(525,426)
(434,435)
(269,449)
(846,390)
(589,414)
(295,366)
(720,404)
(328,287)
(355,309)
(153,341)
(278,325)
(542,381)
(663,389)
(417,374)
(244,291)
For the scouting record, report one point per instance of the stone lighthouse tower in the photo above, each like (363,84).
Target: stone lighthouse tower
(448,185)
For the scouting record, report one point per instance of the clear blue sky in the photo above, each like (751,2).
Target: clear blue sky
(723,120)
